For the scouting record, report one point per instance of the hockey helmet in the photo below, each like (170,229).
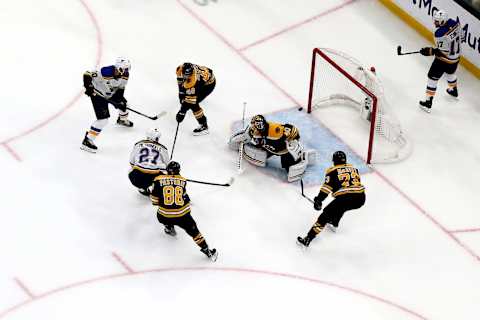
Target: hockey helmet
(153,134)
(259,123)
(339,157)
(122,64)
(440,17)
(187,69)
(173,168)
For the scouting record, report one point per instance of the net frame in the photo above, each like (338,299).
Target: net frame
(403,146)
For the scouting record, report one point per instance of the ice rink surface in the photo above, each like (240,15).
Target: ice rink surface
(79,242)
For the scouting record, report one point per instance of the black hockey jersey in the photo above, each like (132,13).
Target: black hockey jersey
(170,195)
(341,179)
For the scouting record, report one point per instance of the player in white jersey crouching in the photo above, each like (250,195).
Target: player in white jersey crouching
(104,87)
(148,159)
(448,38)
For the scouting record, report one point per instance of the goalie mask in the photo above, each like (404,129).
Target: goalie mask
(259,123)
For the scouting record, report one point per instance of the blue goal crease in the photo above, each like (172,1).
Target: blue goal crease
(313,135)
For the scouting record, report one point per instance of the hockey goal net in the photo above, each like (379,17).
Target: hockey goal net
(338,79)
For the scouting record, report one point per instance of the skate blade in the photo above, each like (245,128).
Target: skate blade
(301,246)
(85,148)
(214,256)
(427,110)
(201,133)
(331,228)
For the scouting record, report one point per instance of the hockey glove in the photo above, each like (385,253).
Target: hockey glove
(317,204)
(427,51)
(180,116)
(437,52)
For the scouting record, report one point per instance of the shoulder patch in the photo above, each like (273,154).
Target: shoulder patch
(107,71)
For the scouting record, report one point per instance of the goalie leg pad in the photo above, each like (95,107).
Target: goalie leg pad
(296,171)
(295,148)
(237,138)
(310,156)
(254,155)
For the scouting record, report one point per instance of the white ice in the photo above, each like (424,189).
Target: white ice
(78,242)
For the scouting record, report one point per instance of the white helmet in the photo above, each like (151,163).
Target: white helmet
(122,64)
(153,134)
(440,17)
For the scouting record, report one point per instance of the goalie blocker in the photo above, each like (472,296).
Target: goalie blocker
(264,139)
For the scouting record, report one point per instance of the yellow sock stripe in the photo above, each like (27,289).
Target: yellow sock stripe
(198,114)
(199,239)
(93,133)
(317,228)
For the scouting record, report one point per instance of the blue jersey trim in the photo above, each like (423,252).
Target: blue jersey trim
(108,71)
(443,30)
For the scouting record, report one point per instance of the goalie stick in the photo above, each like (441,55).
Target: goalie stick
(303,194)
(240,147)
(228,184)
(400,53)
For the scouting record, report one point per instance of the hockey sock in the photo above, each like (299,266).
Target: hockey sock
(431,88)
(452,81)
(199,115)
(200,241)
(96,128)
(316,229)
(123,115)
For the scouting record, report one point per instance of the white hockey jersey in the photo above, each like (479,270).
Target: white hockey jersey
(448,39)
(104,82)
(149,157)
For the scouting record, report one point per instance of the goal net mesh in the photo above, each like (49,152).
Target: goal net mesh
(338,79)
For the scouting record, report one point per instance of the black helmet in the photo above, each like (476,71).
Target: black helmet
(187,69)
(339,157)
(259,123)
(173,168)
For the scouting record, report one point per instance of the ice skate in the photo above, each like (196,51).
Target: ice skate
(426,105)
(201,130)
(453,92)
(145,192)
(304,242)
(121,121)
(88,145)
(212,254)
(170,230)
(332,227)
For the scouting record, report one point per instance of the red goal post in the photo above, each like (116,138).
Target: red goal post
(337,79)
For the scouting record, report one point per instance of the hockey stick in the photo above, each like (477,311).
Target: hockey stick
(303,194)
(174,141)
(400,53)
(161,114)
(228,184)
(240,147)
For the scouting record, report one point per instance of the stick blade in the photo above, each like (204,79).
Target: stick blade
(161,114)
(399,50)
(230,182)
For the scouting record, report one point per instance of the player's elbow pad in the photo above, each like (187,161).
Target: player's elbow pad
(87,80)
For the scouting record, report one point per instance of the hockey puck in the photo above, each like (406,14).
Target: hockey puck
(300,109)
